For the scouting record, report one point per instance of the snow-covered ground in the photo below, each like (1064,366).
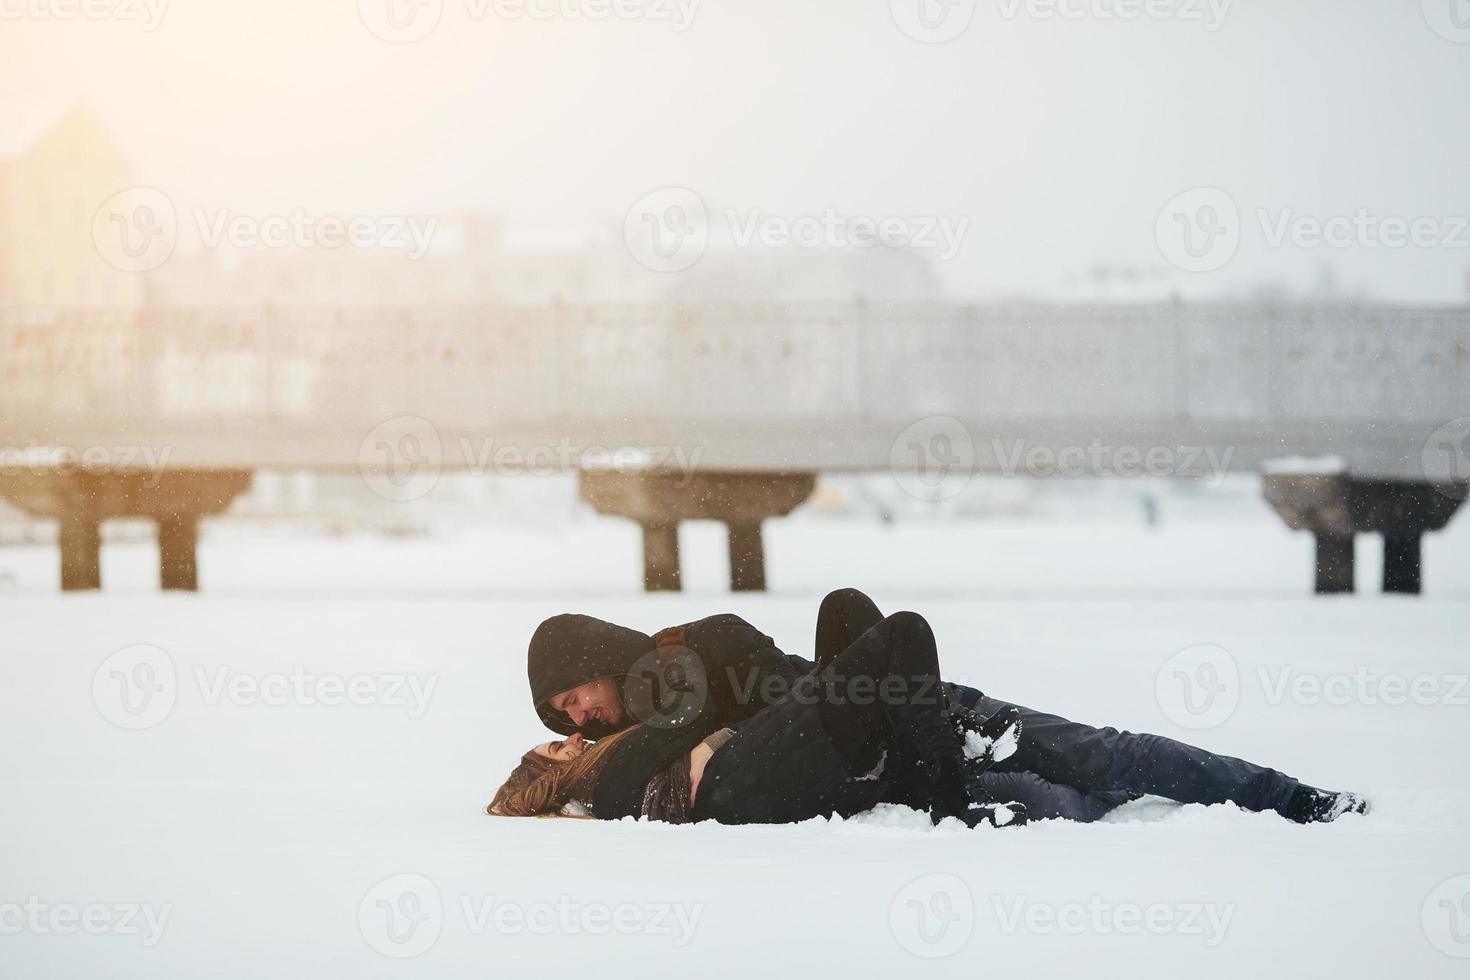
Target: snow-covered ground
(201,830)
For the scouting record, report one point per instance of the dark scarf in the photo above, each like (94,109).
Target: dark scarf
(667,796)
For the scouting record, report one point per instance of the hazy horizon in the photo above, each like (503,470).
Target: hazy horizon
(1055,140)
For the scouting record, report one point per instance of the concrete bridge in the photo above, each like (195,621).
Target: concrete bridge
(674,413)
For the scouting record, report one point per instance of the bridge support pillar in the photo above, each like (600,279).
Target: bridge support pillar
(747,557)
(1402,570)
(178,553)
(81,499)
(80,541)
(659,501)
(661,557)
(1336,506)
(1336,562)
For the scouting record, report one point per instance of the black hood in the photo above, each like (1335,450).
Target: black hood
(570,650)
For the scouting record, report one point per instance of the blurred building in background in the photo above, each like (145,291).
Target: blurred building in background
(51,187)
(57,174)
(481,260)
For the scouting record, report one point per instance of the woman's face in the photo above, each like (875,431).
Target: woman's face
(563,751)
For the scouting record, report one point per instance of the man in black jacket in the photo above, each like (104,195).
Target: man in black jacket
(596,677)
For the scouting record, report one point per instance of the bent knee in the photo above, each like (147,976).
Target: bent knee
(844,604)
(908,622)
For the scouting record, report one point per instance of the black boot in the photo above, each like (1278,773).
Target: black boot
(993,815)
(953,790)
(1311,805)
(987,741)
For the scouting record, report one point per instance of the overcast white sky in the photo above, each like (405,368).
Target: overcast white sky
(1060,139)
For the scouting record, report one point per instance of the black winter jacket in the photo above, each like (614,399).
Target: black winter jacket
(779,767)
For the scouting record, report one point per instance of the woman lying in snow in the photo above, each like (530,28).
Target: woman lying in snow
(871,726)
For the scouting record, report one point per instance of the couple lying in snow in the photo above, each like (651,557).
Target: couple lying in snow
(711,721)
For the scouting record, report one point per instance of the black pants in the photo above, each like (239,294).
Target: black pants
(1065,769)
(870,725)
(883,706)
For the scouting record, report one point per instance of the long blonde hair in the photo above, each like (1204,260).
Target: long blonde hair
(540,787)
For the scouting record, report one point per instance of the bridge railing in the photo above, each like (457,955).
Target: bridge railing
(827,386)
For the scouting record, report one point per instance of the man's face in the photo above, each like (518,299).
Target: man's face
(596,701)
